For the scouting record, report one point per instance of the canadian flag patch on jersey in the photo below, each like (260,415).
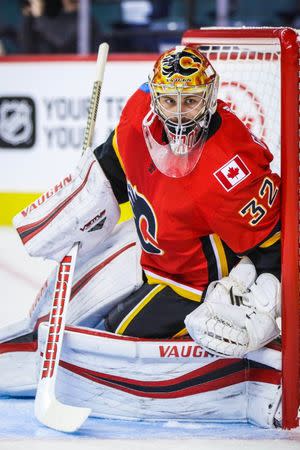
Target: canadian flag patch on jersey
(232,173)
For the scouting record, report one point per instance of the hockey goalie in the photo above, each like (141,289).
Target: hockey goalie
(173,312)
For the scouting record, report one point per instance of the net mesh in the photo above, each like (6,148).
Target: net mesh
(250,84)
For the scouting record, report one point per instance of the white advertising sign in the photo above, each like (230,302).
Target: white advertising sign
(43,113)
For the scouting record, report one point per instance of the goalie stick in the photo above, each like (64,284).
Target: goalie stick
(48,410)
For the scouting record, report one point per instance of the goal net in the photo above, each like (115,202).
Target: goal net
(259,79)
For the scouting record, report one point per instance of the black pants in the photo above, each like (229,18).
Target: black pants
(153,311)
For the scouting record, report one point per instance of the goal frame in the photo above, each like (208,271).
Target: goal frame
(288,39)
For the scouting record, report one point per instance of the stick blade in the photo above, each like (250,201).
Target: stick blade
(61,417)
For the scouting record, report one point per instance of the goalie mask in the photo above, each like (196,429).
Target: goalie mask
(183,89)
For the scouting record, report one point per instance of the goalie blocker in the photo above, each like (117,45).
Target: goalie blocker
(81,208)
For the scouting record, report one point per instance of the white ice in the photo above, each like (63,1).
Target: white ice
(20,280)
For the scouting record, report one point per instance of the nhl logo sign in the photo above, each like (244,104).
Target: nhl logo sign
(17,122)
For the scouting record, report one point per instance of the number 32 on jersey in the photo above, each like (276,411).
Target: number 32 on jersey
(254,207)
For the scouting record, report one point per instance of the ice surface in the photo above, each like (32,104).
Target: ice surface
(20,279)
(18,422)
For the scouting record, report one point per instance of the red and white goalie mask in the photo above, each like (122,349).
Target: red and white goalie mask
(183,89)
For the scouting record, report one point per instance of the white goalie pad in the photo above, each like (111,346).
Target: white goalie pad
(81,208)
(130,378)
(103,278)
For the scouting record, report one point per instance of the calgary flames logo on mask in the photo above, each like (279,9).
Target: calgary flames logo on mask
(181,64)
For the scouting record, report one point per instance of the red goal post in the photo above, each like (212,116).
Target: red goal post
(259,77)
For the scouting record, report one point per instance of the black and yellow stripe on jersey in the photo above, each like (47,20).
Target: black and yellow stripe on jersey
(220,258)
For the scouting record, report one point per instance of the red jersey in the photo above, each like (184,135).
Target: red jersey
(230,196)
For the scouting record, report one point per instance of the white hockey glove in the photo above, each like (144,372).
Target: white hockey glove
(238,314)
(81,208)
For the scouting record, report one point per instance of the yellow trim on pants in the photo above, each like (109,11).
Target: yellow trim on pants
(180,291)
(269,242)
(135,311)
(180,333)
